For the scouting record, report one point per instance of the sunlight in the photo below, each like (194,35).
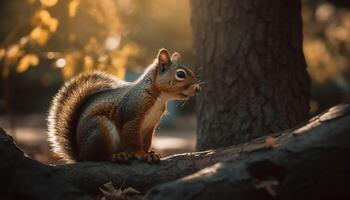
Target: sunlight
(324,12)
(112,42)
(163,142)
(60,63)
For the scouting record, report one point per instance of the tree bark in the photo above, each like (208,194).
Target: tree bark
(311,162)
(24,178)
(252,62)
(322,139)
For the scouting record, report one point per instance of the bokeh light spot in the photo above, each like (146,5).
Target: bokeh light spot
(112,42)
(61,63)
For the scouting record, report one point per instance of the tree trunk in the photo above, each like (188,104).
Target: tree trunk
(253,67)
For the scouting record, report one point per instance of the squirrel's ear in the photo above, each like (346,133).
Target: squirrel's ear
(163,60)
(163,57)
(176,57)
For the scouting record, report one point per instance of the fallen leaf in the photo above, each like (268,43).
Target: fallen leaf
(109,192)
(269,186)
(270,141)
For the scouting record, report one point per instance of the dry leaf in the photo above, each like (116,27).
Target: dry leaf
(269,186)
(270,141)
(111,193)
(130,191)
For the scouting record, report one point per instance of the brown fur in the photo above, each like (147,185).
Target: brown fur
(95,115)
(66,106)
(105,136)
(107,110)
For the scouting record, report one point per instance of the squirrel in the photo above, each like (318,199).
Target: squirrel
(98,117)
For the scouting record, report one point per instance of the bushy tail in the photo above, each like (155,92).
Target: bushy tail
(66,107)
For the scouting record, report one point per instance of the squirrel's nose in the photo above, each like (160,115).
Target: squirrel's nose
(197,88)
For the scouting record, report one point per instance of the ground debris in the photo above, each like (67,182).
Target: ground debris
(109,192)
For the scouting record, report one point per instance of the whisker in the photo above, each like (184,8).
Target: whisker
(202,82)
(184,102)
(178,103)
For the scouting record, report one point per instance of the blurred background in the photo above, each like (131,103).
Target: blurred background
(45,42)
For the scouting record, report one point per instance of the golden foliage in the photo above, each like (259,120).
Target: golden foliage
(48,3)
(13,52)
(2,53)
(44,18)
(327,43)
(105,11)
(100,49)
(27,61)
(68,71)
(73,7)
(10,56)
(71,67)
(40,35)
(88,63)
(24,41)
(53,24)
(118,68)
(119,59)
(92,45)
(72,37)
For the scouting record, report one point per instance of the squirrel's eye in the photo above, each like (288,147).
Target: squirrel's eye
(180,74)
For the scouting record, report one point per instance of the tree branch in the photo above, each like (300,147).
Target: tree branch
(24,178)
(325,138)
(310,162)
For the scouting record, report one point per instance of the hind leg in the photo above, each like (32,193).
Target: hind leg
(96,138)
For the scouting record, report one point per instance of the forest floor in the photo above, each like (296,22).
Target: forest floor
(30,134)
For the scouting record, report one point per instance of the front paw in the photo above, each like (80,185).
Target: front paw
(151,157)
(121,157)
